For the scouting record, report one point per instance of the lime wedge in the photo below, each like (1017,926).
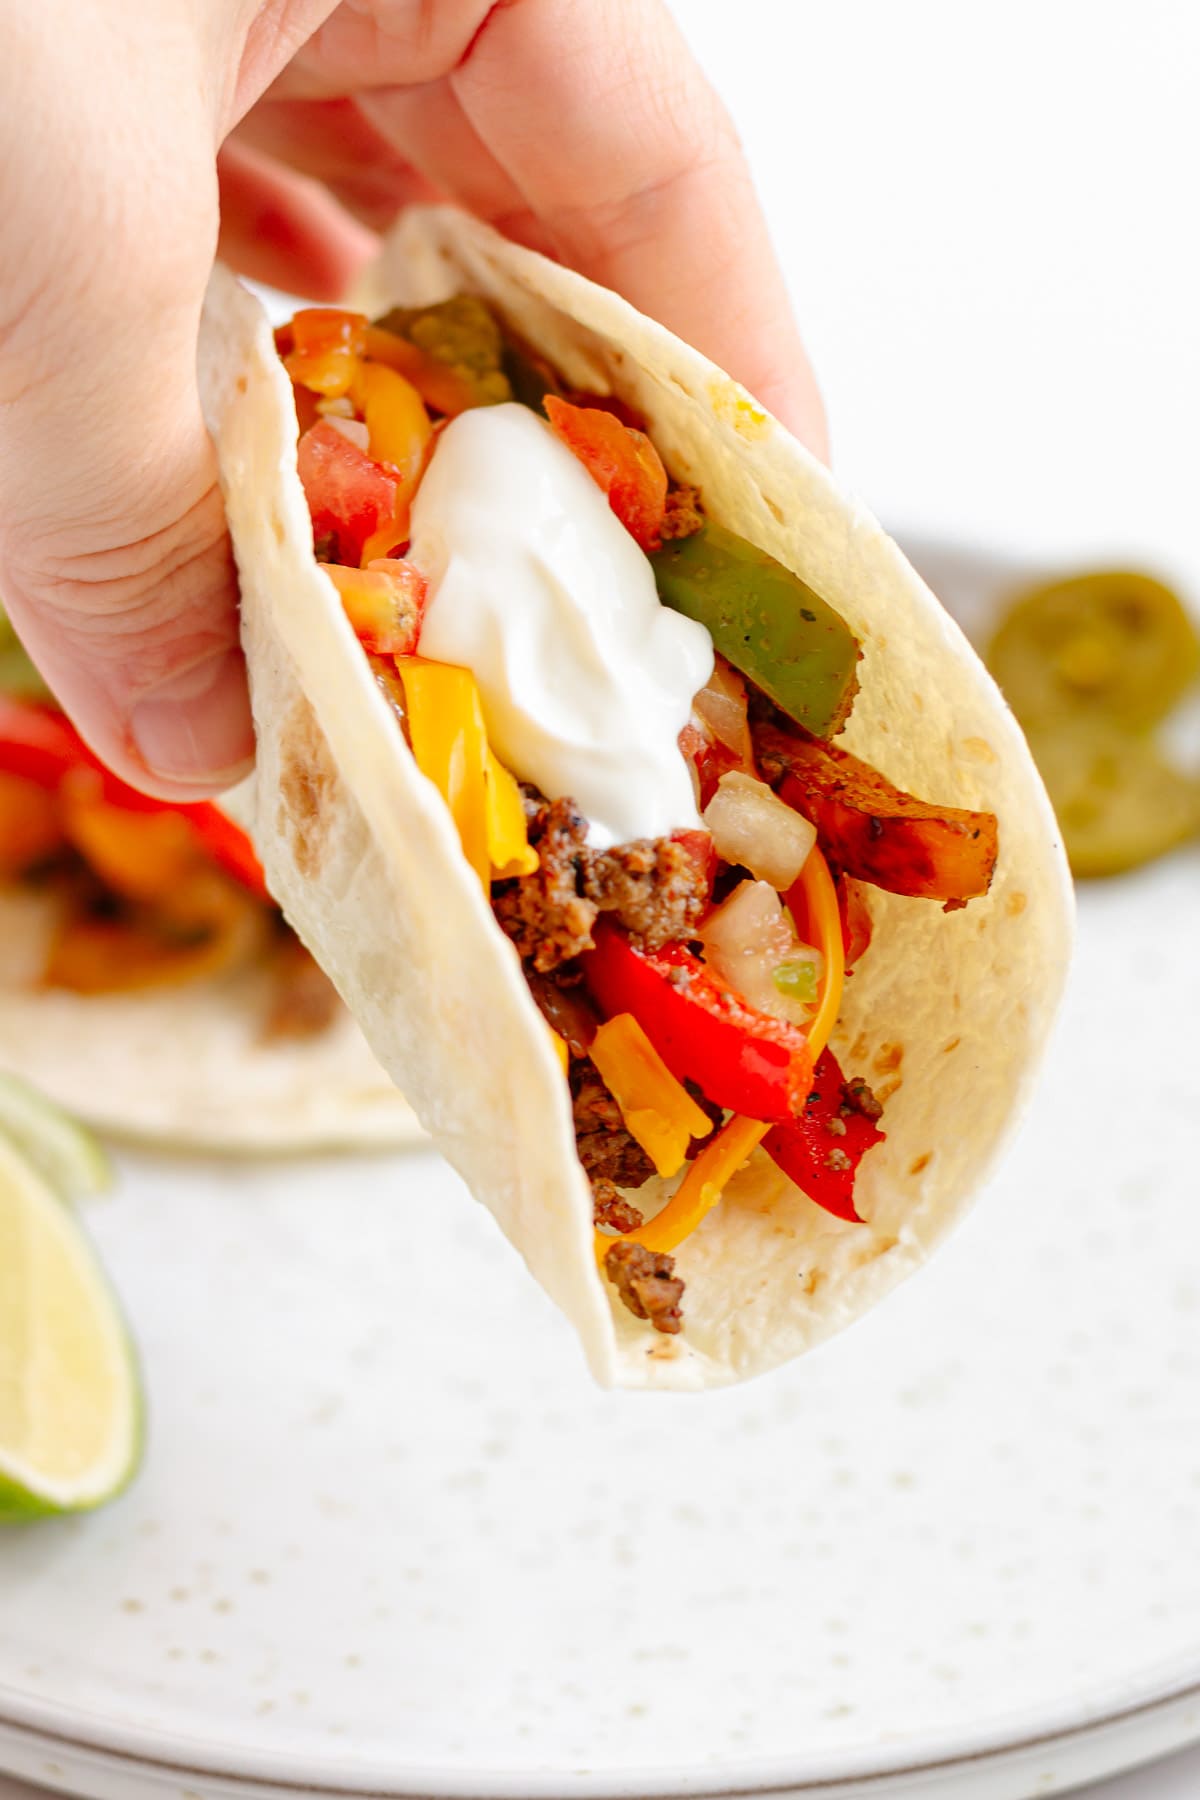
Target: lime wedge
(67,1157)
(70,1401)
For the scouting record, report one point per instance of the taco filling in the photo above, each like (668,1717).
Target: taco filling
(629,711)
(142,894)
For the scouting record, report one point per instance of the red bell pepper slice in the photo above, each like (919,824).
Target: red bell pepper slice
(351,497)
(620,460)
(740,1058)
(40,744)
(821,1148)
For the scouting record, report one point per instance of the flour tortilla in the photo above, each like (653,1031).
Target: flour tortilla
(946,1015)
(188,1066)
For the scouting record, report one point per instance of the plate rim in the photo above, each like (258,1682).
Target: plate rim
(1164,1686)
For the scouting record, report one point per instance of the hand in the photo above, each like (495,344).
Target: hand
(582,127)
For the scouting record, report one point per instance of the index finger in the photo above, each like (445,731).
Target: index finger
(586,128)
(600,116)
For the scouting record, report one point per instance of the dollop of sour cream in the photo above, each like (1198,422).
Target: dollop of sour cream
(586,679)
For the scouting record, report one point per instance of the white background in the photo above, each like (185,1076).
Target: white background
(988,218)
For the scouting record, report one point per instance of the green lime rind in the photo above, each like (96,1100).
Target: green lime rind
(68,1356)
(70,1160)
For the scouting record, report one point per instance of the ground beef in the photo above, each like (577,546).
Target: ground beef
(656,889)
(611,1210)
(646,1284)
(683,517)
(564,1003)
(604,1146)
(857,1096)
(546,914)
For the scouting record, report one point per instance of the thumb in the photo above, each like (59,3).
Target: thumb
(115,563)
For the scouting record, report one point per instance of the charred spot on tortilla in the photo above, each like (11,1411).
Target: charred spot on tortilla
(309,789)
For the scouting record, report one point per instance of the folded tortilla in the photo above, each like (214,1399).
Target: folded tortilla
(947,1014)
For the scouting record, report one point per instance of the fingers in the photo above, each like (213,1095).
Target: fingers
(646,188)
(290,232)
(114,559)
(585,128)
(333,144)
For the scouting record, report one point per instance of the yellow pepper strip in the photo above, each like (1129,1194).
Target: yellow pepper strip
(445,722)
(719,1161)
(399,433)
(509,849)
(398,427)
(658,1110)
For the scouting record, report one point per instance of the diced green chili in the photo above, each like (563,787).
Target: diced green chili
(798,980)
(462,333)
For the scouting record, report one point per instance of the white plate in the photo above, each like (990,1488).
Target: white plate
(389,1538)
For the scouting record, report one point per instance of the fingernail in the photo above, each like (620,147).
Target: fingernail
(196,726)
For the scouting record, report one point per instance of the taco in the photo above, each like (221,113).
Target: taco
(722,1023)
(148,982)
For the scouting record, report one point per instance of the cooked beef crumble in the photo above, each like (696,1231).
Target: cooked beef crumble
(857,1096)
(683,517)
(611,1210)
(645,1281)
(604,1145)
(653,886)
(545,914)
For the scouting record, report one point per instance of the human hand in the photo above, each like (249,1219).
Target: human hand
(582,127)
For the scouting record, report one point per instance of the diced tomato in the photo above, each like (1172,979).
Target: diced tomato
(384,603)
(621,461)
(709,757)
(351,497)
(821,1148)
(741,1058)
(875,831)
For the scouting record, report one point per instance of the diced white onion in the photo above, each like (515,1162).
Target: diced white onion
(721,706)
(745,940)
(354,429)
(753,827)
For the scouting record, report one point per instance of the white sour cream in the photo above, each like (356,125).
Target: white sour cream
(586,678)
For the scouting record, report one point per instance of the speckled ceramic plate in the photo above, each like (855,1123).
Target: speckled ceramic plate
(389,1538)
